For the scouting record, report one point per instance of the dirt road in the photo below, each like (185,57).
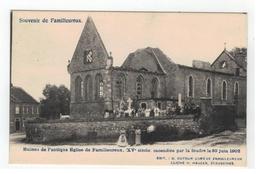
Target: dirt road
(223,139)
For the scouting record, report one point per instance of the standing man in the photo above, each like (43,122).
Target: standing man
(131,136)
(138,136)
(197,113)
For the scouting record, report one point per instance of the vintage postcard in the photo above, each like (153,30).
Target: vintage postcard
(128,88)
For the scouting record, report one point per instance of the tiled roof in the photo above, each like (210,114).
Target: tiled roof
(164,60)
(165,64)
(18,95)
(136,70)
(207,70)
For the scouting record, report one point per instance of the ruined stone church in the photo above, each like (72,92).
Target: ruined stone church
(148,77)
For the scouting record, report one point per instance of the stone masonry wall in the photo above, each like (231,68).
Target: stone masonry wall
(200,79)
(104,130)
(131,77)
(92,107)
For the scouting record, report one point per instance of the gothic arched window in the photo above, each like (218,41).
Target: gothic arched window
(139,86)
(224,90)
(99,86)
(78,89)
(208,87)
(120,86)
(236,90)
(190,87)
(88,87)
(154,89)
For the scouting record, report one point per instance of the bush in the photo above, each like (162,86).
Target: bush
(188,134)
(219,120)
(165,133)
(37,120)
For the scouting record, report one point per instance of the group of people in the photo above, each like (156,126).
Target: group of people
(170,110)
(156,112)
(136,136)
(141,112)
(129,137)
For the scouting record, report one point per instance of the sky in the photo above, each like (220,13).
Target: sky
(40,51)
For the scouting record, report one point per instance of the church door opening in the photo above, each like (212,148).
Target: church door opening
(17,125)
(143,105)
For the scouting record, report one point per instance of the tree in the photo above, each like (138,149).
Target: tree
(56,101)
(239,53)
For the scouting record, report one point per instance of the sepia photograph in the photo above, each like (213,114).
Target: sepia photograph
(128,88)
